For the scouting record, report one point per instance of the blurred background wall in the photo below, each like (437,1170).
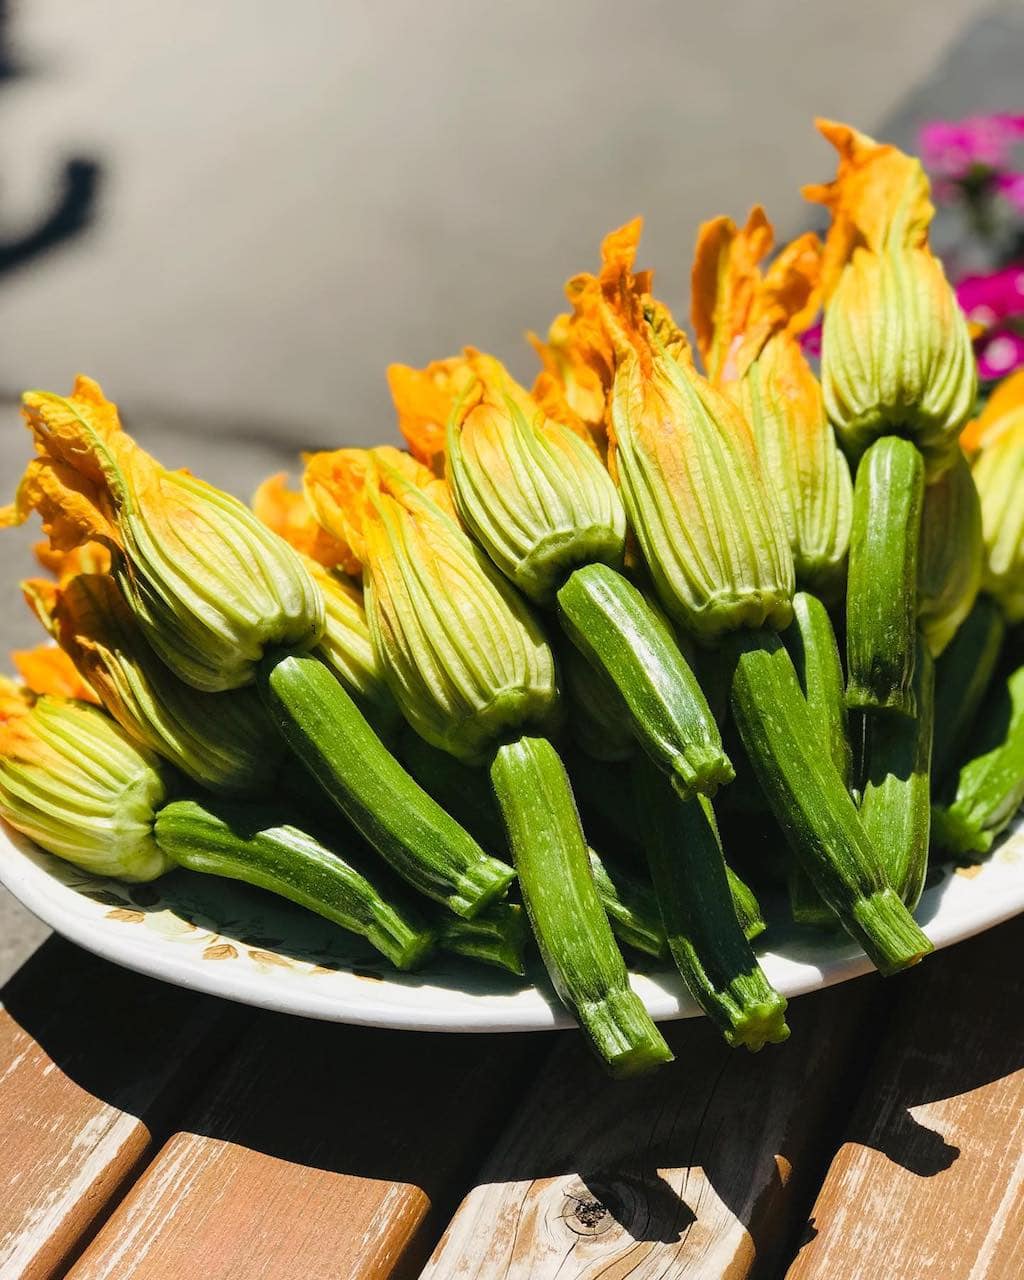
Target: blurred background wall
(234,214)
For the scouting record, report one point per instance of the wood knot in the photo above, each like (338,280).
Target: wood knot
(584,1211)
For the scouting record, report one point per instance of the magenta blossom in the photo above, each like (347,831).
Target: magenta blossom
(1011,186)
(988,299)
(810,340)
(954,149)
(1000,351)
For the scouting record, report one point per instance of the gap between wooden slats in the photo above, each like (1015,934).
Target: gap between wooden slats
(930,1179)
(699,1170)
(320,1153)
(94,1061)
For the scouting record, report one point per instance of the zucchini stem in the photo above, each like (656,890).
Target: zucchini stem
(498,937)
(881,592)
(333,739)
(896,802)
(963,675)
(619,634)
(251,843)
(812,646)
(813,806)
(568,920)
(989,787)
(706,938)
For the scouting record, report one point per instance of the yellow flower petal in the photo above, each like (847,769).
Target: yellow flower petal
(1003,410)
(47,669)
(879,199)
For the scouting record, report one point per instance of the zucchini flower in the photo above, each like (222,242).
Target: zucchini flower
(225,742)
(74,782)
(345,646)
(748,324)
(466,661)
(578,366)
(534,493)
(474,675)
(542,505)
(896,351)
(998,469)
(950,557)
(687,466)
(210,585)
(718,554)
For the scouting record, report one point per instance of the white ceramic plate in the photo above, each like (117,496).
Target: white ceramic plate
(228,940)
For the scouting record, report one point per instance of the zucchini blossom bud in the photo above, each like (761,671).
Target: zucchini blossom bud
(687,467)
(998,469)
(210,585)
(225,742)
(533,492)
(345,646)
(465,659)
(950,555)
(76,784)
(748,324)
(896,350)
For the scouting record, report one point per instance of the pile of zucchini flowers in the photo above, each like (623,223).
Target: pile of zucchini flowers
(752,625)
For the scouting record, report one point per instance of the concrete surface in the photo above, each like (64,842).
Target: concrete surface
(288,197)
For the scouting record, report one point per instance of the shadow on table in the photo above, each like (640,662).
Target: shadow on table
(425,1110)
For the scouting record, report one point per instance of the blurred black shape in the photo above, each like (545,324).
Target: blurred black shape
(72,211)
(75,201)
(9,66)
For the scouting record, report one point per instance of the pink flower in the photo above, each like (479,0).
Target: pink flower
(810,340)
(953,148)
(1011,185)
(1001,351)
(988,299)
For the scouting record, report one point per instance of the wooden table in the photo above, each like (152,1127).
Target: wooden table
(149,1132)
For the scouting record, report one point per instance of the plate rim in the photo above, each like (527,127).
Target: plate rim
(490,1012)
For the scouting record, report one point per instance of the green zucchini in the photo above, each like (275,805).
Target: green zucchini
(599,721)
(881,592)
(962,677)
(605,800)
(989,788)
(811,643)
(617,631)
(568,920)
(630,904)
(813,806)
(332,738)
(254,843)
(704,934)
(950,554)
(625,894)
(896,803)
(746,905)
(498,937)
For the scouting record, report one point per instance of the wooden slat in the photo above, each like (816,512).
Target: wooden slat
(930,1179)
(319,1154)
(700,1170)
(93,1060)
